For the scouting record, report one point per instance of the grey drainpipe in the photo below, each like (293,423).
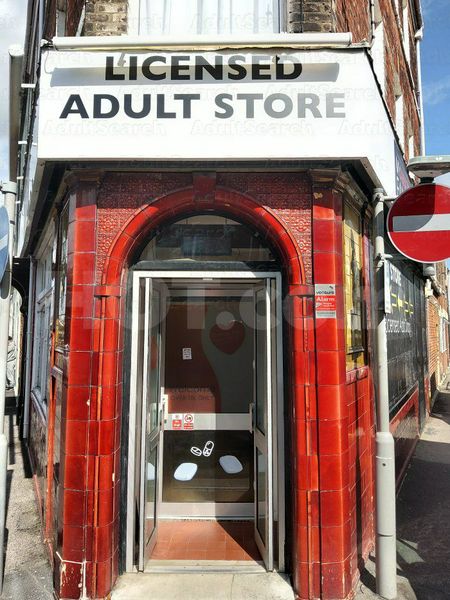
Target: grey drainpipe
(386,554)
(9,191)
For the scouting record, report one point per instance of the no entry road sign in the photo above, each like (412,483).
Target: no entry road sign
(4,237)
(418,223)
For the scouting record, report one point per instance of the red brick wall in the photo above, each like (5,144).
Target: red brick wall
(397,65)
(73,14)
(354,16)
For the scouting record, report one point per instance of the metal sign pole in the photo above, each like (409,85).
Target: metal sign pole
(9,191)
(386,552)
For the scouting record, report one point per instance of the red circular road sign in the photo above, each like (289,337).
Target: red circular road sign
(418,223)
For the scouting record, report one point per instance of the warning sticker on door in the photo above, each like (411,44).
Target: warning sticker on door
(187,353)
(188,421)
(325,301)
(177,421)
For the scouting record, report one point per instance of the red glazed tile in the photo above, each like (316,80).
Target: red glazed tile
(336,543)
(80,334)
(107,436)
(336,580)
(82,236)
(73,543)
(109,368)
(307,473)
(308,543)
(95,375)
(77,403)
(334,472)
(83,268)
(330,368)
(331,400)
(73,504)
(323,235)
(324,209)
(334,507)
(75,436)
(110,335)
(333,436)
(112,307)
(325,267)
(74,472)
(79,368)
(71,575)
(108,402)
(86,212)
(299,402)
(329,335)
(114,269)
(103,542)
(103,578)
(106,472)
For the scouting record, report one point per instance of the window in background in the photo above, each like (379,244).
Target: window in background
(353,287)
(43,321)
(378,52)
(193,17)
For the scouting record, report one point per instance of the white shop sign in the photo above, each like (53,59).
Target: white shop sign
(224,105)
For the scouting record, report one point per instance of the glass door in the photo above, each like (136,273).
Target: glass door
(151,417)
(262,425)
(208,388)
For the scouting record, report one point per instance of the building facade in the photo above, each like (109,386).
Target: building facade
(195,192)
(437,324)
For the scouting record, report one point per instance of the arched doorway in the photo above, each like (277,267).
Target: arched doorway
(205,453)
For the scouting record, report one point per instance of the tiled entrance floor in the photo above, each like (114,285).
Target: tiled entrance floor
(206,540)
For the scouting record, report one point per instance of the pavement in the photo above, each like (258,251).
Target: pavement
(203,586)
(27,570)
(423,536)
(423,516)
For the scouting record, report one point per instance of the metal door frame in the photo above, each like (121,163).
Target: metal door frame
(278,459)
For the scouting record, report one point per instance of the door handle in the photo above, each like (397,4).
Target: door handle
(164,409)
(251,416)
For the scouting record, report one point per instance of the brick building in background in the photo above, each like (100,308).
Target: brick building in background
(196,196)
(437,328)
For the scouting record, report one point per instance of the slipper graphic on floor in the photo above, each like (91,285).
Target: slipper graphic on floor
(208,448)
(230,464)
(185,471)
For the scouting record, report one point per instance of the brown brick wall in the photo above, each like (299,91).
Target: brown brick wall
(311,16)
(397,65)
(73,14)
(438,362)
(354,16)
(106,17)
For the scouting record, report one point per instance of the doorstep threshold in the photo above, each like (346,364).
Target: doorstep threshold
(208,566)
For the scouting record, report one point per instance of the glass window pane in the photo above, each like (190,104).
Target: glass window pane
(209,354)
(261,500)
(207,237)
(261,361)
(153,382)
(208,16)
(151,462)
(353,287)
(216,477)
